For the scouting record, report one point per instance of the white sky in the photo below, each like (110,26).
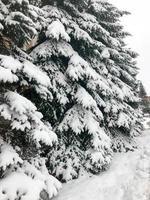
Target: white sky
(138,24)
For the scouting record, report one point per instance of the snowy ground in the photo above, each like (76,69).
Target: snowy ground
(127,179)
(146,122)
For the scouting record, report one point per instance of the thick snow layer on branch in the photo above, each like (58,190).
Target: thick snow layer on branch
(49,48)
(7,76)
(124,120)
(91,123)
(30,181)
(57,30)
(44,136)
(19,103)
(33,72)
(8,68)
(11,66)
(16,18)
(9,62)
(24,116)
(101,139)
(12,69)
(20,185)
(85,98)
(38,170)
(78,118)
(30,70)
(80,34)
(78,68)
(100,84)
(8,156)
(73,120)
(27,188)
(105,53)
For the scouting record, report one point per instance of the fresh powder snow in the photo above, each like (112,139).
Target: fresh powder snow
(128,178)
(68,99)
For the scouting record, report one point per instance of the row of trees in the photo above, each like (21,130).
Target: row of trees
(68,92)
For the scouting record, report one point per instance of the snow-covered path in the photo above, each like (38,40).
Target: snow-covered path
(127,179)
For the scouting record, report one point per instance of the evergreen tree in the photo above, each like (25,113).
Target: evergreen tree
(24,135)
(68,93)
(142,91)
(144,103)
(93,106)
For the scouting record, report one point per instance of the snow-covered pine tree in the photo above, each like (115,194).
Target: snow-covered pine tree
(123,116)
(93,106)
(144,102)
(24,135)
